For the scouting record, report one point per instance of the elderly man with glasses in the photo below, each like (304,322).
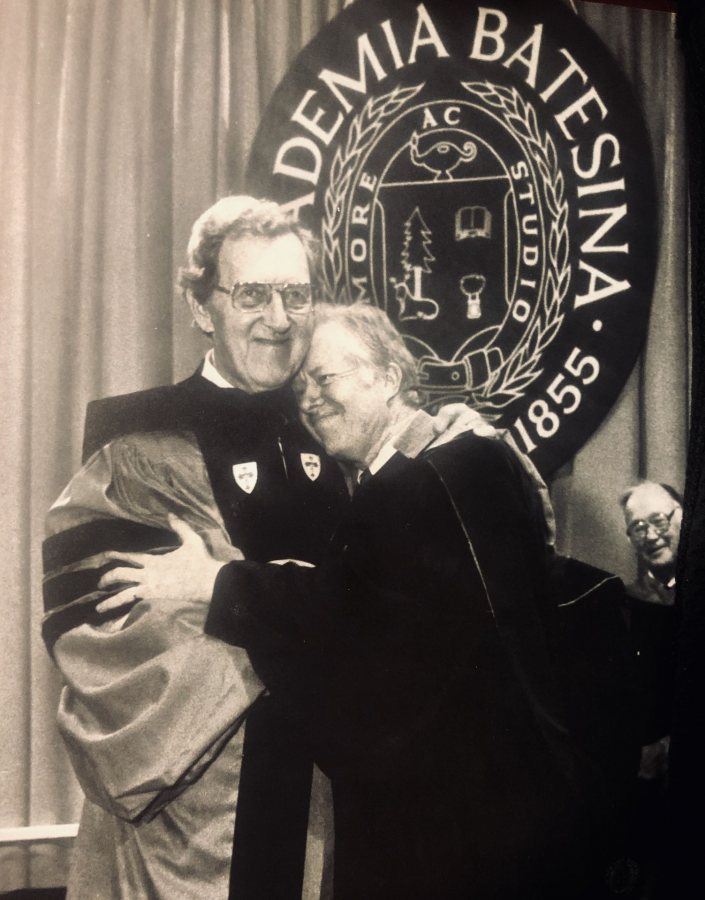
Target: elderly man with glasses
(652,515)
(197,784)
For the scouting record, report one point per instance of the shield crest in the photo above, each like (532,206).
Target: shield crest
(245,475)
(311,463)
(444,241)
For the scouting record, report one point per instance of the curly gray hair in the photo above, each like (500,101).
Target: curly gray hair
(236,216)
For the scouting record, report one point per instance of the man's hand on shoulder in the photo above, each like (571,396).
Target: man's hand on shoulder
(182,577)
(455,419)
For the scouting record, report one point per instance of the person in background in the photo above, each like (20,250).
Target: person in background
(653,513)
(652,516)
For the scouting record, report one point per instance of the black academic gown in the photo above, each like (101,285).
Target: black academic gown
(416,655)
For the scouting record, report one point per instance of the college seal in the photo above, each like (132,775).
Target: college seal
(483,174)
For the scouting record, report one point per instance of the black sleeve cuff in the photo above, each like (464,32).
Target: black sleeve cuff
(222,618)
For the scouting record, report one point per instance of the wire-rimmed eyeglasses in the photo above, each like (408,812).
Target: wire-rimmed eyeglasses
(660,522)
(253,296)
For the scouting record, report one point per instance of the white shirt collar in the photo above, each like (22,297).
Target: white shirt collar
(387,450)
(385,454)
(210,373)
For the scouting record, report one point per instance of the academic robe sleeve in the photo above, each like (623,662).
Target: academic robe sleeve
(149,700)
(147,707)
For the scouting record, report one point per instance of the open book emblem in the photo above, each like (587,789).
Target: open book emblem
(245,475)
(312,465)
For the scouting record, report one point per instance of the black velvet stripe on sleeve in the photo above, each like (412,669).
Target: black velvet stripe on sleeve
(71,592)
(67,547)
(65,587)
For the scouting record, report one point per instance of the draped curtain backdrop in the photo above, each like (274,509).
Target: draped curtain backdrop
(120,122)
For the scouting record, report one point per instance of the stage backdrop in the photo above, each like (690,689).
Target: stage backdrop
(119,123)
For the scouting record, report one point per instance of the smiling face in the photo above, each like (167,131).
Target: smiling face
(257,351)
(655,546)
(344,400)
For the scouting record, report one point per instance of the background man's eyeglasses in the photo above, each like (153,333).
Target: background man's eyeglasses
(660,522)
(253,296)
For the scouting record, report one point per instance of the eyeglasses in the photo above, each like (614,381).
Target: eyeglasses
(253,296)
(660,522)
(323,381)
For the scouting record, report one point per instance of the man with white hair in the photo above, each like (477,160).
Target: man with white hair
(170,732)
(653,514)
(415,654)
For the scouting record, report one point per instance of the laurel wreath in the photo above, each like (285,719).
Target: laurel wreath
(522,367)
(364,128)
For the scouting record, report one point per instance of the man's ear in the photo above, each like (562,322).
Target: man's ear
(201,314)
(392,380)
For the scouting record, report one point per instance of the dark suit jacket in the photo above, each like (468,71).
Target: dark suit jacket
(416,654)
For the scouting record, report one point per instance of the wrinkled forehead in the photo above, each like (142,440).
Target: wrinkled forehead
(646,501)
(278,260)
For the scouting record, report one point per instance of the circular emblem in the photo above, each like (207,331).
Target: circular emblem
(483,174)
